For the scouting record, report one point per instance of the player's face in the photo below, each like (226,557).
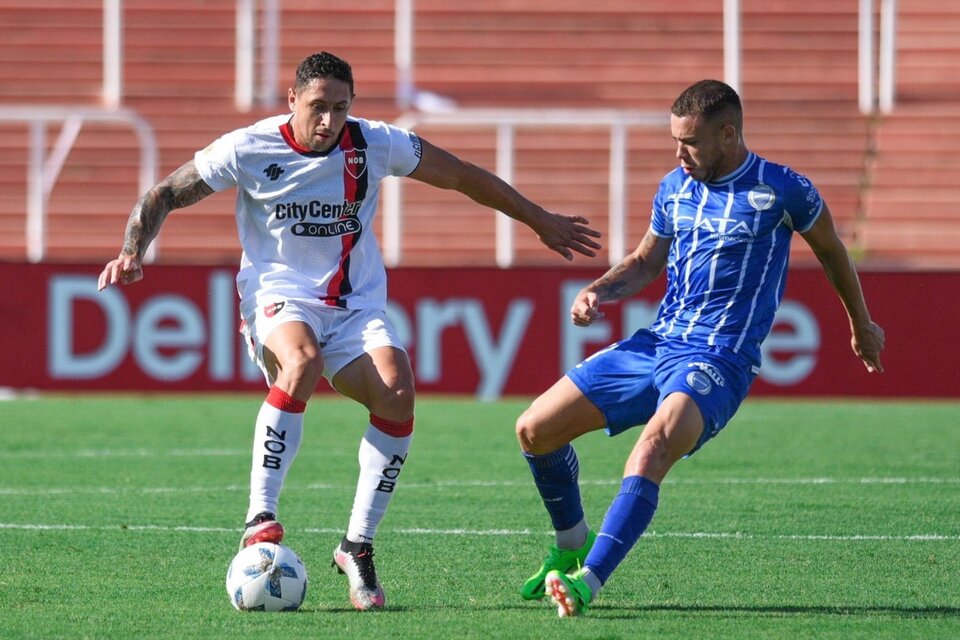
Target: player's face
(703,148)
(319,112)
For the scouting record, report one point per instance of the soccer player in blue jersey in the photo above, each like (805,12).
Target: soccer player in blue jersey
(721,225)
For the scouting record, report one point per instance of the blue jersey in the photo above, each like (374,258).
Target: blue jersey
(727,267)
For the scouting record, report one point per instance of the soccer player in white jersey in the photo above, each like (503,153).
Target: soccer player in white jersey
(312,282)
(721,226)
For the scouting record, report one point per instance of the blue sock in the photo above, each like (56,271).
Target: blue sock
(626,520)
(556,475)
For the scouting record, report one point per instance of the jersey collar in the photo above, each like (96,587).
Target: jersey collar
(738,172)
(287,132)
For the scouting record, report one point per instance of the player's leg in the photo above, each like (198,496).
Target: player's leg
(382,380)
(670,434)
(700,394)
(612,389)
(290,359)
(545,432)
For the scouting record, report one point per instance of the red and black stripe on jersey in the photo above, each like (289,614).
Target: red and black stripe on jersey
(353,147)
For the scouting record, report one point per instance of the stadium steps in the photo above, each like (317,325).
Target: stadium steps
(910,202)
(911,210)
(51,52)
(556,53)
(799,89)
(799,86)
(928,51)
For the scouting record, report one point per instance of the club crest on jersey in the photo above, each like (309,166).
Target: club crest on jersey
(355,162)
(761,197)
(273,309)
(699,382)
(705,376)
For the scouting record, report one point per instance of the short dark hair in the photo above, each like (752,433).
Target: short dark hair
(323,65)
(709,99)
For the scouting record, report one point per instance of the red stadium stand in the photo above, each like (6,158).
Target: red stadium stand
(799,88)
(910,205)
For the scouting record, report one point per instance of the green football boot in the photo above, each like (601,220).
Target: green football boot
(562,560)
(570,593)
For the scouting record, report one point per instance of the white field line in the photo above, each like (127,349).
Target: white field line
(464,484)
(497,532)
(124,453)
(203,453)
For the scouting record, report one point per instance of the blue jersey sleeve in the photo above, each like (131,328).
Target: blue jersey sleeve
(661,222)
(802,201)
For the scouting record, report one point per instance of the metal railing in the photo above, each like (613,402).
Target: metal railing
(254,83)
(877,88)
(506,121)
(257,84)
(42,172)
(877,82)
(872,80)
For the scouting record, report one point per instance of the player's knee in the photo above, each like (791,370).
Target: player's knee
(395,402)
(528,432)
(401,399)
(652,457)
(301,367)
(652,449)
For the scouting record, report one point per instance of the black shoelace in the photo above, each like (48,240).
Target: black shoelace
(362,553)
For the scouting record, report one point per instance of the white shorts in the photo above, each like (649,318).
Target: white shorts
(342,334)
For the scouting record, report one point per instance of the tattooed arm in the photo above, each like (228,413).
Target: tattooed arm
(180,189)
(624,279)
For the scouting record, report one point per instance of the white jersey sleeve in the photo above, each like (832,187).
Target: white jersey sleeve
(404,150)
(217,163)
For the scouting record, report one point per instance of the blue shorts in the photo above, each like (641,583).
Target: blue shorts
(629,379)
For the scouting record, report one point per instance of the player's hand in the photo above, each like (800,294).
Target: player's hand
(566,234)
(585,309)
(867,343)
(125,269)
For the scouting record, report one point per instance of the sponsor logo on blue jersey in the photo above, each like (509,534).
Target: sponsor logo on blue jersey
(711,371)
(718,226)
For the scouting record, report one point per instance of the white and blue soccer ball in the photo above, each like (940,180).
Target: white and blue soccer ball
(266,577)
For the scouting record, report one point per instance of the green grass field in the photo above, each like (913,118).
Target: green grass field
(807,519)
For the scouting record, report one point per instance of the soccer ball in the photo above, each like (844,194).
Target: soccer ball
(266,577)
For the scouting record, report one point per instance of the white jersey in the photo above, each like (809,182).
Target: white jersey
(305,218)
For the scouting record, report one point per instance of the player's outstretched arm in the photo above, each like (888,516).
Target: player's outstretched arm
(623,280)
(561,233)
(180,189)
(867,338)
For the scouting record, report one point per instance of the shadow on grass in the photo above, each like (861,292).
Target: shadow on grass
(785,610)
(608,611)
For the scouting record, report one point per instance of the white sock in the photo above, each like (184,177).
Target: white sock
(381,457)
(592,581)
(574,537)
(276,440)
